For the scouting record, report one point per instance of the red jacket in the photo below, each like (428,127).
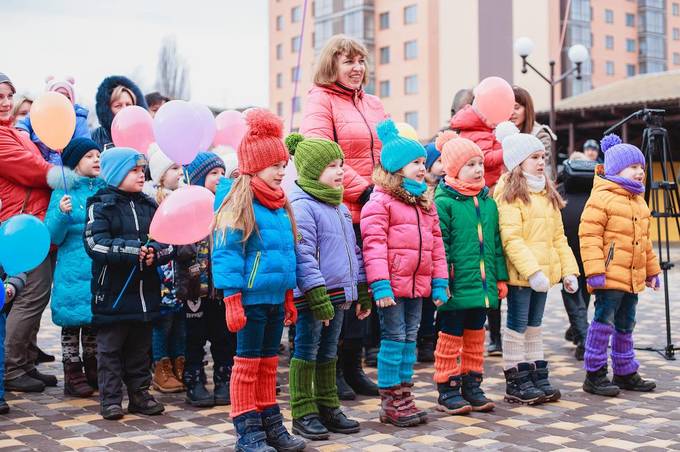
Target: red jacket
(469,125)
(347,117)
(23,176)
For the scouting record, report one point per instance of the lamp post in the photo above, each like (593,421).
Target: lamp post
(577,54)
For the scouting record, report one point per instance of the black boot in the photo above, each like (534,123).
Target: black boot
(277,435)
(540,378)
(221,379)
(597,383)
(112,412)
(426,349)
(371,356)
(353,371)
(4,408)
(24,383)
(345,392)
(197,393)
(144,403)
(49,380)
(472,392)
(580,351)
(310,427)
(43,357)
(634,382)
(90,366)
(336,421)
(450,399)
(251,435)
(569,335)
(495,347)
(519,387)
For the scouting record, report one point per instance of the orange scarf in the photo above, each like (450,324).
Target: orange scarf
(465,188)
(268,197)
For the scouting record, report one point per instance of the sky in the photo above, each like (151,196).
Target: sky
(225,43)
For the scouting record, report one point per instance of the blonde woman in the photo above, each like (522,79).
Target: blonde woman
(114,93)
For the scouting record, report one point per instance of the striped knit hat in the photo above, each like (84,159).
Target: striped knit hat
(202,165)
(312,155)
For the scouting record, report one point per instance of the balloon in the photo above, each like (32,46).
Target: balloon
(494,100)
(406,130)
(178,131)
(132,128)
(209,126)
(184,217)
(24,244)
(53,119)
(231,126)
(2,297)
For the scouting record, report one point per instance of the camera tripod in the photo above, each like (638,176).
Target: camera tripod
(662,197)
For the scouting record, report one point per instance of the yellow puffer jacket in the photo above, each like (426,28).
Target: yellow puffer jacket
(533,239)
(615,237)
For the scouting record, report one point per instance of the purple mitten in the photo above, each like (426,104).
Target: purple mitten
(596,281)
(654,281)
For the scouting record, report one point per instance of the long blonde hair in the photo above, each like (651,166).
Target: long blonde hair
(516,188)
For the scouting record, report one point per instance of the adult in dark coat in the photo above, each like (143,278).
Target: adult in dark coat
(114,93)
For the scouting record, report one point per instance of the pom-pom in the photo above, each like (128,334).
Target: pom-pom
(505,129)
(49,78)
(292,141)
(444,137)
(262,122)
(71,79)
(387,130)
(610,140)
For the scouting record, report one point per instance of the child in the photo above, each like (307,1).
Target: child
(538,257)
(205,312)
(477,273)
(71,296)
(117,239)
(405,261)
(433,166)
(619,262)
(254,263)
(168,335)
(330,277)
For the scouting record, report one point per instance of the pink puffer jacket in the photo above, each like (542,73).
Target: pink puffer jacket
(402,244)
(347,117)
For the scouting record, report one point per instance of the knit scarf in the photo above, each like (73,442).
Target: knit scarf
(7,122)
(465,188)
(536,184)
(414,187)
(269,197)
(322,192)
(632,186)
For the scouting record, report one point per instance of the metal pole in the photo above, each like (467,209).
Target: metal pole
(553,157)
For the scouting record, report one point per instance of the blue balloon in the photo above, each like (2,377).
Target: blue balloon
(2,296)
(24,244)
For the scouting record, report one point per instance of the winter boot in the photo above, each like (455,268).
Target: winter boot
(178,368)
(164,378)
(450,400)
(409,401)
(75,383)
(539,375)
(336,421)
(495,347)
(473,393)
(112,412)
(371,356)
(306,422)
(43,357)
(90,365)
(326,397)
(197,394)
(277,435)
(393,410)
(345,392)
(310,426)
(141,401)
(221,378)
(353,371)
(570,334)
(426,349)
(580,350)
(519,388)
(633,382)
(48,380)
(597,383)
(4,408)
(251,435)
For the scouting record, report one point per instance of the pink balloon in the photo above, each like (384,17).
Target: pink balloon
(132,128)
(231,126)
(178,130)
(209,126)
(184,217)
(494,100)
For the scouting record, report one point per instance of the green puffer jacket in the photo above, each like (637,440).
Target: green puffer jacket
(475,263)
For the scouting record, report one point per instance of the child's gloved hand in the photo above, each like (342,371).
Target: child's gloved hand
(290,310)
(539,282)
(653,282)
(235,315)
(440,294)
(597,281)
(382,292)
(570,283)
(320,304)
(502,289)
(363,308)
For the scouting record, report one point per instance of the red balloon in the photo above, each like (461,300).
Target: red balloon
(231,126)
(132,128)
(494,100)
(184,217)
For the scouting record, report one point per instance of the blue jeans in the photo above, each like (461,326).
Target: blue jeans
(169,336)
(261,336)
(454,322)
(617,308)
(315,342)
(525,308)
(399,323)
(3,318)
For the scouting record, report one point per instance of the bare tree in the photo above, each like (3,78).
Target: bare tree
(172,71)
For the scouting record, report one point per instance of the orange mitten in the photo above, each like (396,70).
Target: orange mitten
(236,317)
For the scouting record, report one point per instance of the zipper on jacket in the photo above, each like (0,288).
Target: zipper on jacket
(134,215)
(482,262)
(102,275)
(420,251)
(253,272)
(370,132)
(344,236)
(141,295)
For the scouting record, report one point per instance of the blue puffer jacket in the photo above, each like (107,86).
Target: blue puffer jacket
(265,269)
(71,291)
(326,248)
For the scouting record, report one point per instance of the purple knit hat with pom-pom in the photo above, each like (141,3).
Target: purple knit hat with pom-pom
(619,155)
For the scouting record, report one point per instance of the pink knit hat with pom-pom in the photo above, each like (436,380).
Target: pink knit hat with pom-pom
(67,84)
(262,145)
(619,155)
(456,151)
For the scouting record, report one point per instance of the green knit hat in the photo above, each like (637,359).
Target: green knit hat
(312,155)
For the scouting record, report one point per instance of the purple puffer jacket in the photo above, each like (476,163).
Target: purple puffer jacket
(326,248)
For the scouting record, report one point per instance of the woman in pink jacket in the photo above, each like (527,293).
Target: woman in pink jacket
(339,110)
(405,261)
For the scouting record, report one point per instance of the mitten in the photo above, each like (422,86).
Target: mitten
(439,286)
(381,289)
(236,317)
(539,282)
(290,310)
(502,289)
(570,283)
(320,303)
(364,296)
(597,281)
(653,281)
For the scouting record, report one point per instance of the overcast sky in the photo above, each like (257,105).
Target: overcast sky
(225,43)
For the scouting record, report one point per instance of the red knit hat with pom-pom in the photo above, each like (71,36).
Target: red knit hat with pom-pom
(456,151)
(262,145)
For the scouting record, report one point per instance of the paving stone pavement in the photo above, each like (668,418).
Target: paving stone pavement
(633,421)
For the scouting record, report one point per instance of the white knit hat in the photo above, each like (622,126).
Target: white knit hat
(517,147)
(158,165)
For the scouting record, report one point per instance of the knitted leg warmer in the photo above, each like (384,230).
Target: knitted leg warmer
(242,386)
(446,357)
(473,351)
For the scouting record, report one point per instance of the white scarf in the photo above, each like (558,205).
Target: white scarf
(536,184)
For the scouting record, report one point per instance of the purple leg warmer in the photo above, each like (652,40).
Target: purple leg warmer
(596,345)
(623,355)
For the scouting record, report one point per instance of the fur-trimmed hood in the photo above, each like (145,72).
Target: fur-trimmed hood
(55,179)
(104,113)
(391,183)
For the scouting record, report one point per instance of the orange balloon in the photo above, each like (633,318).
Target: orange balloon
(53,119)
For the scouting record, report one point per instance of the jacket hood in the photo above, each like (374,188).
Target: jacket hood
(468,119)
(55,179)
(103,99)
(223,189)
(81,111)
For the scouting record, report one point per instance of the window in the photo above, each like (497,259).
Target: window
(323,7)
(676,9)
(384,21)
(609,16)
(296,14)
(652,47)
(676,34)
(630,45)
(279,23)
(279,80)
(295,44)
(354,24)
(630,20)
(653,22)
(295,74)
(385,88)
(676,58)
(279,51)
(410,14)
(609,41)
(411,84)
(279,108)
(610,68)
(384,55)
(630,70)
(411,50)
(296,104)
(411,117)
(323,30)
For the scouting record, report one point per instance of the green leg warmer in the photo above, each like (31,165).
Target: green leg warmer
(301,395)
(326,391)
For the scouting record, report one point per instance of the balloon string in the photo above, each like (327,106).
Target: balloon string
(63,177)
(297,67)
(129,279)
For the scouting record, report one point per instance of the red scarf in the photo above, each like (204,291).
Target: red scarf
(465,188)
(7,123)
(268,197)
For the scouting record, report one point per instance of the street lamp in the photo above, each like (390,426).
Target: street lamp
(577,54)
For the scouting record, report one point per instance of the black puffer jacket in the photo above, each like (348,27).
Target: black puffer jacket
(193,275)
(117,226)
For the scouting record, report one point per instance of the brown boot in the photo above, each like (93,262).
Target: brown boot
(178,369)
(409,401)
(75,382)
(163,378)
(393,410)
(90,364)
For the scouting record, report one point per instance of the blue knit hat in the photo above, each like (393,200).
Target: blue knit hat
(118,162)
(397,151)
(202,165)
(619,155)
(76,149)
(432,155)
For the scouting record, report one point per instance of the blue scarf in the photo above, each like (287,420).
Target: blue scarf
(632,186)
(414,187)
